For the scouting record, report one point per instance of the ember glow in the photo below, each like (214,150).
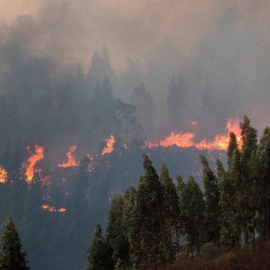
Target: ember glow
(71,159)
(52,208)
(90,165)
(221,142)
(3,175)
(110,145)
(31,162)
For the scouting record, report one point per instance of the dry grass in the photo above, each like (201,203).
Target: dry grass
(255,258)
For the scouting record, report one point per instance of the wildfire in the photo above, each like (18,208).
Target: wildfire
(110,145)
(71,159)
(90,165)
(3,175)
(221,142)
(52,208)
(31,162)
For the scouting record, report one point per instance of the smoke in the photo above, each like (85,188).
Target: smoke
(203,61)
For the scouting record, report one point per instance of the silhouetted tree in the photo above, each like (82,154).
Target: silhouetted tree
(11,255)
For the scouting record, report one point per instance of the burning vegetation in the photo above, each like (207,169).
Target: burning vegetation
(109,145)
(221,142)
(30,164)
(3,175)
(71,162)
(53,209)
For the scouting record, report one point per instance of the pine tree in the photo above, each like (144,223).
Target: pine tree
(11,255)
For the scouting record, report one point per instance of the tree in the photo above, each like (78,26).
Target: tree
(249,138)
(225,204)
(171,212)
(150,210)
(263,185)
(248,206)
(132,225)
(100,252)
(232,146)
(235,208)
(115,233)
(180,189)
(193,209)
(211,194)
(11,255)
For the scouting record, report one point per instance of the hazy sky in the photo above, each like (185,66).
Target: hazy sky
(130,27)
(226,42)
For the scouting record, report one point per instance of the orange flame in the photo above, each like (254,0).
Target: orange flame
(3,175)
(110,145)
(52,208)
(31,162)
(221,142)
(71,159)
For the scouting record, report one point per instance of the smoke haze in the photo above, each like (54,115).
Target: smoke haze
(176,61)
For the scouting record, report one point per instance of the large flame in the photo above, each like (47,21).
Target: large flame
(109,145)
(31,162)
(3,175)
(52,208)
(71,159)
(221,142)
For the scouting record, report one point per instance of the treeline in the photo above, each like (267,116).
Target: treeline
(45,233)
(149,227)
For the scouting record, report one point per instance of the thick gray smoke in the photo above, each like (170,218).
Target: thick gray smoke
(175,61)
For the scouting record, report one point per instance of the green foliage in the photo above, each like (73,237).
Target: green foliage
(116,234)
(150,210)
(211,194)
(193,209)
(171,216)
(100,252)
(11,255)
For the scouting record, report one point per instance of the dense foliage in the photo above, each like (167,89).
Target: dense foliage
(11,255)
(160,220)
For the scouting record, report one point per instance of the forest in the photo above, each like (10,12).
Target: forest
(159,221)
(149,227)
(121,139)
